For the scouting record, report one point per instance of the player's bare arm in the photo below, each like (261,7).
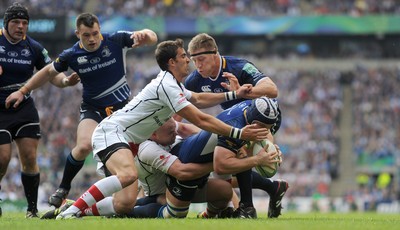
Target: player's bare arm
(189,171)
(226,162)
(214,125)
(265,87)
(62,81)
(144,37)
(37,80)
(206,100)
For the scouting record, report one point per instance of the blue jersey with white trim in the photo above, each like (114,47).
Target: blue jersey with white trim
(199,148)
(102,72)
(245,72)
(17,63)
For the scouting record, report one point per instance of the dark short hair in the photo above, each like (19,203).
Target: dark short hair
(87,19)
(15,11)
(167,50)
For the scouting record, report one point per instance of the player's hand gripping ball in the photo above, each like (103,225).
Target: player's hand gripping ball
(271,169)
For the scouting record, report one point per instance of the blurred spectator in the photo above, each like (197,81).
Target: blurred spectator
(209,8)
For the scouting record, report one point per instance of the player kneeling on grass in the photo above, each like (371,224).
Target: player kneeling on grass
(154,162)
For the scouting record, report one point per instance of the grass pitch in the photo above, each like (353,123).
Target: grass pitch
(290,221)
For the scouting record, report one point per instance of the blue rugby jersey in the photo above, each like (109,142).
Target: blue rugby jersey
(102,72)
(199,148)
(18,62)
(244,70)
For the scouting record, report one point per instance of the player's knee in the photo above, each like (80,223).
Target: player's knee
(127,179)
(226,191)
(82,150)
(123,206)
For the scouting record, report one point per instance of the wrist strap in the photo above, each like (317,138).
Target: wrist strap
(231,95)
(235,133)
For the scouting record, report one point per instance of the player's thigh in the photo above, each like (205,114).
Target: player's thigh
(121,163)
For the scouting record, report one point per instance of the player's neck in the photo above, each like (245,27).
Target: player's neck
(217,69)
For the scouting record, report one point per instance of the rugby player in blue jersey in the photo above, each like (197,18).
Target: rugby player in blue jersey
(200,149)
(99,60)
(19,56)
(216,73)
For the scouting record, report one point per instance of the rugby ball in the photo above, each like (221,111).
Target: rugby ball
(269,170)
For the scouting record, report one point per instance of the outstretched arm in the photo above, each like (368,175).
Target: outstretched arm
(189,171)
(62,81)
(206,100)
(214,125)
(144,37)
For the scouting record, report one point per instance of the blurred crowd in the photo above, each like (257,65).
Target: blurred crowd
(209,8)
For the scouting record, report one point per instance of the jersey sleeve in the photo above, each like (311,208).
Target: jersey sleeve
(61,63)
(154,155)
(250,74)
(174,95)
(43,56)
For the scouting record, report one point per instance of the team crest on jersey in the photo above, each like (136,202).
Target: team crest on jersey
(25,53)
(12,54)
(105,52)
(206,88)
(82,60)
(2,49)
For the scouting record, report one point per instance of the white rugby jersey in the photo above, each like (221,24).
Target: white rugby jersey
(152,162)
(145,113)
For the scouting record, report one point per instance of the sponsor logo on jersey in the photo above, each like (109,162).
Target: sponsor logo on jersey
(82,60)
(25,53)
(206,88)
(250,69)
(47,59)
(12,54)
(95,60)
(218,90)
(2,49)
(182,98)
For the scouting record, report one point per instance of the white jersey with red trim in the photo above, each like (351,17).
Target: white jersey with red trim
(152,162)
(145,113)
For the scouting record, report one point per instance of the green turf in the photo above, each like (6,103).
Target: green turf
(291,221)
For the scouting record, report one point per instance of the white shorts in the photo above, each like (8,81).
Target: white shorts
(105,136)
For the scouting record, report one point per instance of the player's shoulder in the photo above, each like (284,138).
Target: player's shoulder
(235,61)
(147,149)
(33,43)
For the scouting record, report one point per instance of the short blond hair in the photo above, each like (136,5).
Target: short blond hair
(202,41)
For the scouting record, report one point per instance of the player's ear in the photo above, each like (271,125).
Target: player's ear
(77,34)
